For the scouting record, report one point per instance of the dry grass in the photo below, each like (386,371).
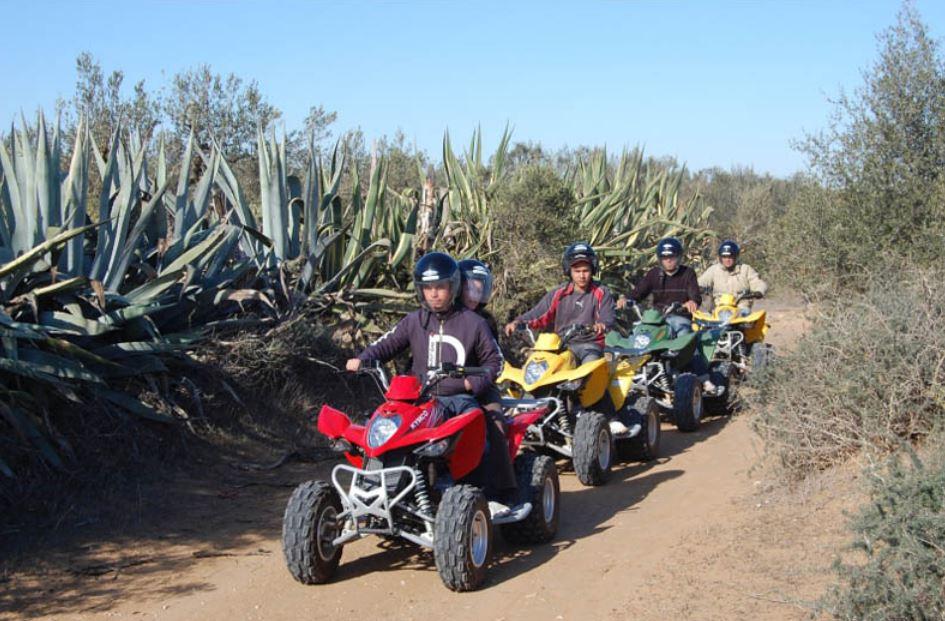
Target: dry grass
(870,375)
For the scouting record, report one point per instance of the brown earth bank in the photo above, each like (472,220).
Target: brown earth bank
(701,533)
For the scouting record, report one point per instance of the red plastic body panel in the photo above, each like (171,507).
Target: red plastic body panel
(332,423)
(518,427)
(404,388)
(467,453)
(419,424)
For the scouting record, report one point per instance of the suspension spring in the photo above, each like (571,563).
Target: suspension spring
(422,495)
(564,424)
(662,379)
(741,354)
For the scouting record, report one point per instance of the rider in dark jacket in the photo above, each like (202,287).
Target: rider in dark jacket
(444,330)
(580,301)
(671,282)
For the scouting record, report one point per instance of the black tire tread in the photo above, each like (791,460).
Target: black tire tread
(451,538)
(586,466)
(638,449)
(299,532)
(683,415)
(531,470)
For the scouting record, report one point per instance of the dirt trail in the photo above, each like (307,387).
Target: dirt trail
(691,535)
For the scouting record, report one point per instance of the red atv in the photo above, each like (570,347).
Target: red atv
(416,476)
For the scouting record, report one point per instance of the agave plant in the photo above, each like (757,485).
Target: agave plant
(466,215)
(79,311)
(624,209)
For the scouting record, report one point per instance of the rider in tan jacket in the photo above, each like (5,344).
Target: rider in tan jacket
(730,276)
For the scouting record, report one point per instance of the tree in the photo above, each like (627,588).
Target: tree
(883,157)
(100,101)
(213,106)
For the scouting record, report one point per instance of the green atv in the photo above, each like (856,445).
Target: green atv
(663,363)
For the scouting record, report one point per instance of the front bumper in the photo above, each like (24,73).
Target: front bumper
(368,503)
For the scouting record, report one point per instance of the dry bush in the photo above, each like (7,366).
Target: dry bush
(868,375)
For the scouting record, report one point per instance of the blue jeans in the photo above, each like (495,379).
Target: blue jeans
(679,324)
(454,405)
(586,352)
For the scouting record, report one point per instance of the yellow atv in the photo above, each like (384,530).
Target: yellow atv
(742,333)
(637,412)
(574,427)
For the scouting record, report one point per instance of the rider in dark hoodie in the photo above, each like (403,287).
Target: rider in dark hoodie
(441,330)
(444,330)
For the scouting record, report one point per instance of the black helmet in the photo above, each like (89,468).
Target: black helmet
(669,247)
(728,248)
(433,268)
(576,253)
(474,269)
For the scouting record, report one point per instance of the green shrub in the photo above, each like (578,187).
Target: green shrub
(901,535)
(879,165)
(534,222)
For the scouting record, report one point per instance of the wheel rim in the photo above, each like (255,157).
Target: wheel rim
(479,541)
(327,531)
(603,449)
(548,500)
(652,427)
(697,404)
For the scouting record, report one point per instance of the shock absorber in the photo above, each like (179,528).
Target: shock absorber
(663,379)
(423,495)
(564,424)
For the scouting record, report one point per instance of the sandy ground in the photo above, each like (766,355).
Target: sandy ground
(697,534)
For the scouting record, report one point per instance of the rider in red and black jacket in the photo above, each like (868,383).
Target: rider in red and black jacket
(580,301)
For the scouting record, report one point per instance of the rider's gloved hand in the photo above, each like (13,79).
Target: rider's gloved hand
(599,328)
(353,365)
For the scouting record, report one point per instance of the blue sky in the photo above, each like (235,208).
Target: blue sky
(712,83)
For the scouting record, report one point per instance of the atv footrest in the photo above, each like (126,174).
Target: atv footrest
(514,514)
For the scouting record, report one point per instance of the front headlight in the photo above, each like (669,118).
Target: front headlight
(641,341)
(725,315)
(433,449)
(534,371)
(382,429)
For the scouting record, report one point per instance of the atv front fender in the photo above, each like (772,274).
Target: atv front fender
(332,423)
(511,374)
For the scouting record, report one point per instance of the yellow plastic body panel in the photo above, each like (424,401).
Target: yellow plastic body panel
(757,321)
(547,341)
(562,367)
(621,378)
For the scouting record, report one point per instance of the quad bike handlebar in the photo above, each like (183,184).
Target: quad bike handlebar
(635,306)
(524,327)
(575,330)
(749,295)
(450,369)
(376,371)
